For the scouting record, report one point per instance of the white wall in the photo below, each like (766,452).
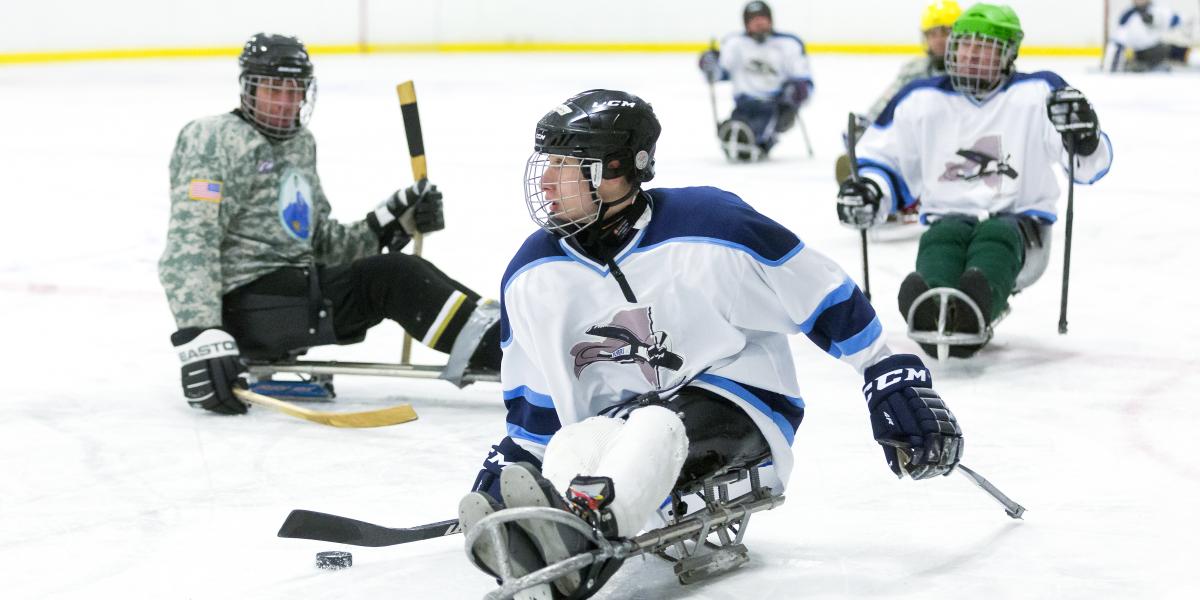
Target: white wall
(51,25)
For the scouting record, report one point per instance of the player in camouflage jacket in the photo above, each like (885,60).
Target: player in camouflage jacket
(255,267)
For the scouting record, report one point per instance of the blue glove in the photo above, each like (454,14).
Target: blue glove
(503,454)
(710,65)
(919,435)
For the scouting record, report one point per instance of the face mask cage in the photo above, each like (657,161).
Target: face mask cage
(560,192)
(279,107)
(978,64)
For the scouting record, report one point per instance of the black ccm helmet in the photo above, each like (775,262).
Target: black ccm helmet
(605,125)
(279,63)
(586,133)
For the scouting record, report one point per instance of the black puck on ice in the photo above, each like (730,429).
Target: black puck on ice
(334,560)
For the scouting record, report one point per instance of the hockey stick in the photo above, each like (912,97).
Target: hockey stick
(394,415)
(804,132)
(1013,509)
(311,525)
(850,142)
(416,151)
(712,92)
(1062,310)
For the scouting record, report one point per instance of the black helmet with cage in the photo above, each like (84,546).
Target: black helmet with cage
(757,8)
(606,134)
(278,89)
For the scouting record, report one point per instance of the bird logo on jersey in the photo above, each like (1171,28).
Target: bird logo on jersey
(630,338)
(982,163)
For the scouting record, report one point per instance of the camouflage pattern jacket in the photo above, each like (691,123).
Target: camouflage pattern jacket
(917,68)
(241,207)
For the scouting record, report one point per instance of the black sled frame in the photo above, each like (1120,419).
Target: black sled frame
(688,540)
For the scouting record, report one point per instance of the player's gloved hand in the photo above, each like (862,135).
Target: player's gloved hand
(416,209)
(858,203)
(710,65)
(919,434)
(794,92)
(211,367)
(1075,119)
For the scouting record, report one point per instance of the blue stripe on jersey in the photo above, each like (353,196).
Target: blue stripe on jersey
(1104,171)
(535,398)
(1055,81)
(516,432)
(837,296)
(539,248)
(940,83)
(1041,214)
(845,324)
(1174,21)
(790,36)
(528,419)
(787,412)
(1125,16)
(710,215)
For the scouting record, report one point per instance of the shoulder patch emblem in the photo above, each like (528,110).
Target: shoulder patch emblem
(204,190)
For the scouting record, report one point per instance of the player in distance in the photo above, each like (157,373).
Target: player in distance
(253,264)
(645,336)
(1151,37)
(978,148)
(771,81)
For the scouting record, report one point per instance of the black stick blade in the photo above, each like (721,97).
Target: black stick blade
(312,525)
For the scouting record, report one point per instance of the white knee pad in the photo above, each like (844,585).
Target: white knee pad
(643,462)
(576,449)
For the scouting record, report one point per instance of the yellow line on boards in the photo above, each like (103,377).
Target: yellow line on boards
(489,47)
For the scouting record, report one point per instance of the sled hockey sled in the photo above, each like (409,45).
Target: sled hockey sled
(1036,236)
(737,141)
(701,545)
(321,372)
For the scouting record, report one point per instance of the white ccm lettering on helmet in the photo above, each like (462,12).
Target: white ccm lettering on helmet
(617,103)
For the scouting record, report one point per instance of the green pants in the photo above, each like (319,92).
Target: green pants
(957,243)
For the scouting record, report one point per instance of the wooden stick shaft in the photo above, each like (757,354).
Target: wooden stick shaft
(394,415)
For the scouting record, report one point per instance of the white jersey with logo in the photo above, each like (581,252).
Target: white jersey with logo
(759,69)
(717,290)
(960,156)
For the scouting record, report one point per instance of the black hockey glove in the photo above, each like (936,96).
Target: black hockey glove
(793,93)
(919,434)
(211,366)
(1075,119)
(858,203)
(416,209)
(710,65)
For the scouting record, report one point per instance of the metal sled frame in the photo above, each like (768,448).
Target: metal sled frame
(940,337)
(733,148)
(688,536)
(320,369)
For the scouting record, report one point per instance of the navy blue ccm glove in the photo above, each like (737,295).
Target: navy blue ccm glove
(919,434)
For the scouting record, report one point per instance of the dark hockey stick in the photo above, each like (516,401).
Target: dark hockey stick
(311,525)
(1062,310)
(804,132)
(850,142)
(416,151)
(1013,509)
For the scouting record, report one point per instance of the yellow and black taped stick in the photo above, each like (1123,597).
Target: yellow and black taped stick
(416,151)
(393,415)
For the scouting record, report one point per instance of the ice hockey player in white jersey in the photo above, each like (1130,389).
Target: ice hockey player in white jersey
(1149,37)
(978,148)
(645,344)
(771,81)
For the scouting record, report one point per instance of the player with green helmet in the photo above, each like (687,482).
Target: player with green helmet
(977,148)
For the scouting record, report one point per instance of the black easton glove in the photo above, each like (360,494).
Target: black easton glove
(710,65)
(211,366)
(1075,119)
(919,434)
(416,209)
(858,203)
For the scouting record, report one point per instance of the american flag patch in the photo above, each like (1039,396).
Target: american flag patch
(203,189)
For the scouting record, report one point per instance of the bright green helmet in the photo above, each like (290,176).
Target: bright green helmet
(983,46)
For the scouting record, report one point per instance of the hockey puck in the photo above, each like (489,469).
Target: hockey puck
(334,560)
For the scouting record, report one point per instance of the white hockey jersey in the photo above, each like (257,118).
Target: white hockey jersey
(960,156)
(716,286)
(759,70)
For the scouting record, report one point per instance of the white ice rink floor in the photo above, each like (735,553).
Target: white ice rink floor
(111,487)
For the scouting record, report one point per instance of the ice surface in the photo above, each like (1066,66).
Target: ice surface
(110,486)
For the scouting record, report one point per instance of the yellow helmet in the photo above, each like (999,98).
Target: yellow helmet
(940,13)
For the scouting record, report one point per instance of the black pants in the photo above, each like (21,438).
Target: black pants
(720,435)
(294,308)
